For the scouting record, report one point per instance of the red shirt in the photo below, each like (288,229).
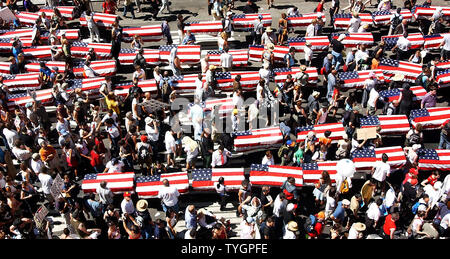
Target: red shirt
(319,8)
(109,7)
(95,159)
(408,176)
(388,225)
(432,180)
(317,230)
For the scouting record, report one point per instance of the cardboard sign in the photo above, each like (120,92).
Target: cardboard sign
(366,133)
(57,186)
(40,215)
(7,15)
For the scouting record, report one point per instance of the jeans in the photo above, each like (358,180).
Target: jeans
(443,141)
(127,8)
(165,207)
(337,59)
(365,98)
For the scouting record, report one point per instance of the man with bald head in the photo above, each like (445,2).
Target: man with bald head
(169,196)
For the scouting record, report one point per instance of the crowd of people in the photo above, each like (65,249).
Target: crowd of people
(115,133)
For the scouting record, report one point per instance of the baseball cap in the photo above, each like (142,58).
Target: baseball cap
(345,202)
(127,194)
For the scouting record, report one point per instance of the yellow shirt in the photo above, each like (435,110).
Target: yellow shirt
(113,105)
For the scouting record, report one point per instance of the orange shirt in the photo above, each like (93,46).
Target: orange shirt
(325,141)
(375,64)
(46,152)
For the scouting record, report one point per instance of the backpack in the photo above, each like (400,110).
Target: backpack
(419,79)
(143,152)
(414,139)
(415,207)
(310,223)
(344,187)
(165,88)
(396,21)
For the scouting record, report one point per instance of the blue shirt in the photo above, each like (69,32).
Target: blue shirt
(290,58)
(190,219)
(188,38)
(169,81)
(327,64)
(339,212)
(95,207)
(350,58)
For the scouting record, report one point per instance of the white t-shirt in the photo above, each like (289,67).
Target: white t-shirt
(113,131)
(152,133)
(279,206)
(381,171)
(169,195)
(446,42)
(170,142)
(373,212)
(264,74)
(115,168)
(354,25)
(127,206)
(403,44)
(36,166)
(308,53)
(226,60)
(46,182)
(373,97)
(238,101)
(310,30)
(21,154)
(267,161)
(445,221)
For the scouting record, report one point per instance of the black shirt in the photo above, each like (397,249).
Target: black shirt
(337,46)
(269,232)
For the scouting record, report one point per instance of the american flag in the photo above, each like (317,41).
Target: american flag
(21,82)
(430,118)
(356,79)
(258,139)
(184,83)
(101,67)
(255,52)
(44,96)
(302,20)
(89,85)
(393,94)
(72,34)
(39,52)
(383,17)
(443,78)
(249,80)
(342,21)
(337,131)
(117,182)
(240,56)
(313,171)
(364,159)
(27,18)
(146,86)
(433,41)
(188,54)
(149,186)
(206,179)
(207,27)
(21,33)
(34,66)
(417,40)
(353,39)
(66,11)
(6,44)
(318,43)
(4,67)
(80,49)
(390,124)
(434,159)
(245,22)
(127,56)
(423,12)
(391,67)
(274,175)
(444,64)
(148,33)
(281,74)
(225,105)
(101,19)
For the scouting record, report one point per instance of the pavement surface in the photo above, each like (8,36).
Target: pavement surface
(197,11)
